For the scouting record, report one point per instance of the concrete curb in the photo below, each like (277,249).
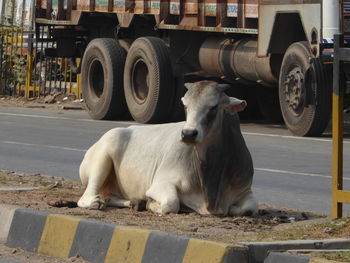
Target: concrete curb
(275,257)
(64,236)
(258,251)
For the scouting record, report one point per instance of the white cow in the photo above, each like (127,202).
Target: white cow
(202,163)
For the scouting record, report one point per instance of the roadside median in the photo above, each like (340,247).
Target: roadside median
(63,236)
(48,225)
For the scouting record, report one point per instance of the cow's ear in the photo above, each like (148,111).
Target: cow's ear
(188,85)
(223,87)
(235,105)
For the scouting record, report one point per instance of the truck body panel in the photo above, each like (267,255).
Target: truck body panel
(256,17)
(309,14)
(231,16)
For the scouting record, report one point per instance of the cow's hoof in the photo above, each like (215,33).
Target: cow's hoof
(98,204)
(248,213)
(154,206)
(158,209)
(138,205)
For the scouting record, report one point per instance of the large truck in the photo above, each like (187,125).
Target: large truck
(136,54)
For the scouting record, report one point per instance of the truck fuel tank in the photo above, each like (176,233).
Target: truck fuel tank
(235,59)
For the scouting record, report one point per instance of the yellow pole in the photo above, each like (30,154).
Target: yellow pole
(11,47)
(21,54)
(79,86)
(6,58)
(28,73)
(70,80)
(6,44)
(65,74)
(17,58)
(2,55)
(79,81)
(337,156)
(337,126)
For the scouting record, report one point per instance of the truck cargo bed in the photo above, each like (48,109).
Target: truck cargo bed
(231,16)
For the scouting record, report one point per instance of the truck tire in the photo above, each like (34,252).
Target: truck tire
(149,81)
(304,91)
(102,72)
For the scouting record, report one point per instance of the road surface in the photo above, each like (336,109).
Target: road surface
(289,171)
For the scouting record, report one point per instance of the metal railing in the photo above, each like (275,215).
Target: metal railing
(12,59)
(26,71)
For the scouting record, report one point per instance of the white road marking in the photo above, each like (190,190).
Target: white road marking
(290,137)
(45,146)
(34,116)
(59,118)
(296,173)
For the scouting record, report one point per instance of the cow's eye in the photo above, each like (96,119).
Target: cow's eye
(211,114)
(213,109)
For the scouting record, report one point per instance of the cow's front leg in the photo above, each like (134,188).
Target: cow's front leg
(164,198)
(137,205)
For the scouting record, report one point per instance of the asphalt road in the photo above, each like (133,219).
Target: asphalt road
(289,171)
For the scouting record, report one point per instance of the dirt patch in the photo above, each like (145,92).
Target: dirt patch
(54,101)
(20,255)
(272,223)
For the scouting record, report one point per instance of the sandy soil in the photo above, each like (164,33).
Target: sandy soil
(27,257)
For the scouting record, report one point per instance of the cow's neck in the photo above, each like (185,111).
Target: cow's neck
(214,138)
(223,162)
(212,162)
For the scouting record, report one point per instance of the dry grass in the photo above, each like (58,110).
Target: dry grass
(328,229)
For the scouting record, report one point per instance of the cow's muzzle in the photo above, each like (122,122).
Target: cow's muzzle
(189,136)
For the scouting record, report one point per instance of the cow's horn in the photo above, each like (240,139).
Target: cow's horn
(188,85)
(223,87)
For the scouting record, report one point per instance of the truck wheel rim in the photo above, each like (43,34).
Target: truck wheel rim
(294,90)
(96,80)
(140,81)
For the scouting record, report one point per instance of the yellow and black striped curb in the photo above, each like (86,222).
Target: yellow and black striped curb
(276,257)
(65,236)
